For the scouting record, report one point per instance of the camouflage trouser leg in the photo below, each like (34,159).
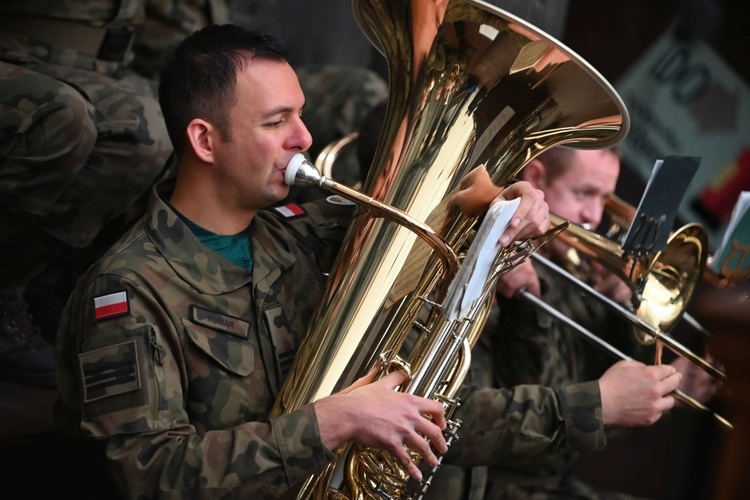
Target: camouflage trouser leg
(79,152)
(47,130)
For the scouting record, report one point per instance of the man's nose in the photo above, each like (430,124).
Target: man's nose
(592,213)
(300,138)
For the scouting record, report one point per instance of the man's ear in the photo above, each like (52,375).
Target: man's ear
(535,173)
(202,136)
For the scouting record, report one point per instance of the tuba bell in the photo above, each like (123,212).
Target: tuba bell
(470,85)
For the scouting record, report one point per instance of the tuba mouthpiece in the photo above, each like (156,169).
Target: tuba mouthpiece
(302,172)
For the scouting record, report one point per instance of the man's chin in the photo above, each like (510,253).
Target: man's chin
(279,193)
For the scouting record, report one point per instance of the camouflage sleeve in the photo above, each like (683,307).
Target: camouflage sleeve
(529,346)
(520,342)
(527,422)
(125,382)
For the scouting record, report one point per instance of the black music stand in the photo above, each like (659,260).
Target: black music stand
(653,220)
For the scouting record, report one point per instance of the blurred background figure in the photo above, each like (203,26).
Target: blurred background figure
(81,139)
(528,346)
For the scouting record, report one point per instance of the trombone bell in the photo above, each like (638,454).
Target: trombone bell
(662,285)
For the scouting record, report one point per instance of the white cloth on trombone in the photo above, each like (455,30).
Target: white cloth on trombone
(468,286)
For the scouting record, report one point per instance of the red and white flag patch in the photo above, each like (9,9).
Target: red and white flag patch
(111,305)
(290,210)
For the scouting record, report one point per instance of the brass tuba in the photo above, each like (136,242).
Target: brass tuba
(470,85)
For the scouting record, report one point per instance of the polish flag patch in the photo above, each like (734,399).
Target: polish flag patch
(290,210)
(111,305)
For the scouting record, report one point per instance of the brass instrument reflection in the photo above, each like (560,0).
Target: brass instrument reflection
(453,105)
(662,285)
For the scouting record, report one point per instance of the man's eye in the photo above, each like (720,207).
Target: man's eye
(275,124)
(579,194)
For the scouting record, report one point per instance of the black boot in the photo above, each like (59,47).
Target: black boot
(28,255)
(25,356)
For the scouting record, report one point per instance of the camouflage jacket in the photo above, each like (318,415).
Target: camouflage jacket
(90,12)
(54,32)
(166,23)
(170,357)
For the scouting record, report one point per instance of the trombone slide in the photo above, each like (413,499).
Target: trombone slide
(660,336)
(677,394)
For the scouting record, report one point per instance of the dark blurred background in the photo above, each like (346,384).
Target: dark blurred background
(684,456)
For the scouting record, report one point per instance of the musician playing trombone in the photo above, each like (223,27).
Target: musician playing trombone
(173,347)
(548,368)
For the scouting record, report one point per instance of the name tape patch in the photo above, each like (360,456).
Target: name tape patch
(222,322)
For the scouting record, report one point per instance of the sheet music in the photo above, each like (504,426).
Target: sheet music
(468,284)
(738,231)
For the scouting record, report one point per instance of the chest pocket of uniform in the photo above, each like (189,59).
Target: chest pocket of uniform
(283,340)
(234,353)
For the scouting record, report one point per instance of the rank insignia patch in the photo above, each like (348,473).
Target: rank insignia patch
(110,370)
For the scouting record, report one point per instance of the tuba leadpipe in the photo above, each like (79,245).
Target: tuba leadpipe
(301,172)
(470,85)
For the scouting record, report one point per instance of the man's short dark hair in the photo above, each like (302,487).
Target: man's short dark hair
(559,159)
(200,73)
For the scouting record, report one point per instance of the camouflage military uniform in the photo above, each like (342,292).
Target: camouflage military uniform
(166,23)
(525,346)
(177,376)
(81,139)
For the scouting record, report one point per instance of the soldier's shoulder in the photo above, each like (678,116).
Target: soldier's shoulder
(316,217)
(128,256)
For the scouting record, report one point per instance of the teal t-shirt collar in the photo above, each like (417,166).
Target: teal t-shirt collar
(235,247)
